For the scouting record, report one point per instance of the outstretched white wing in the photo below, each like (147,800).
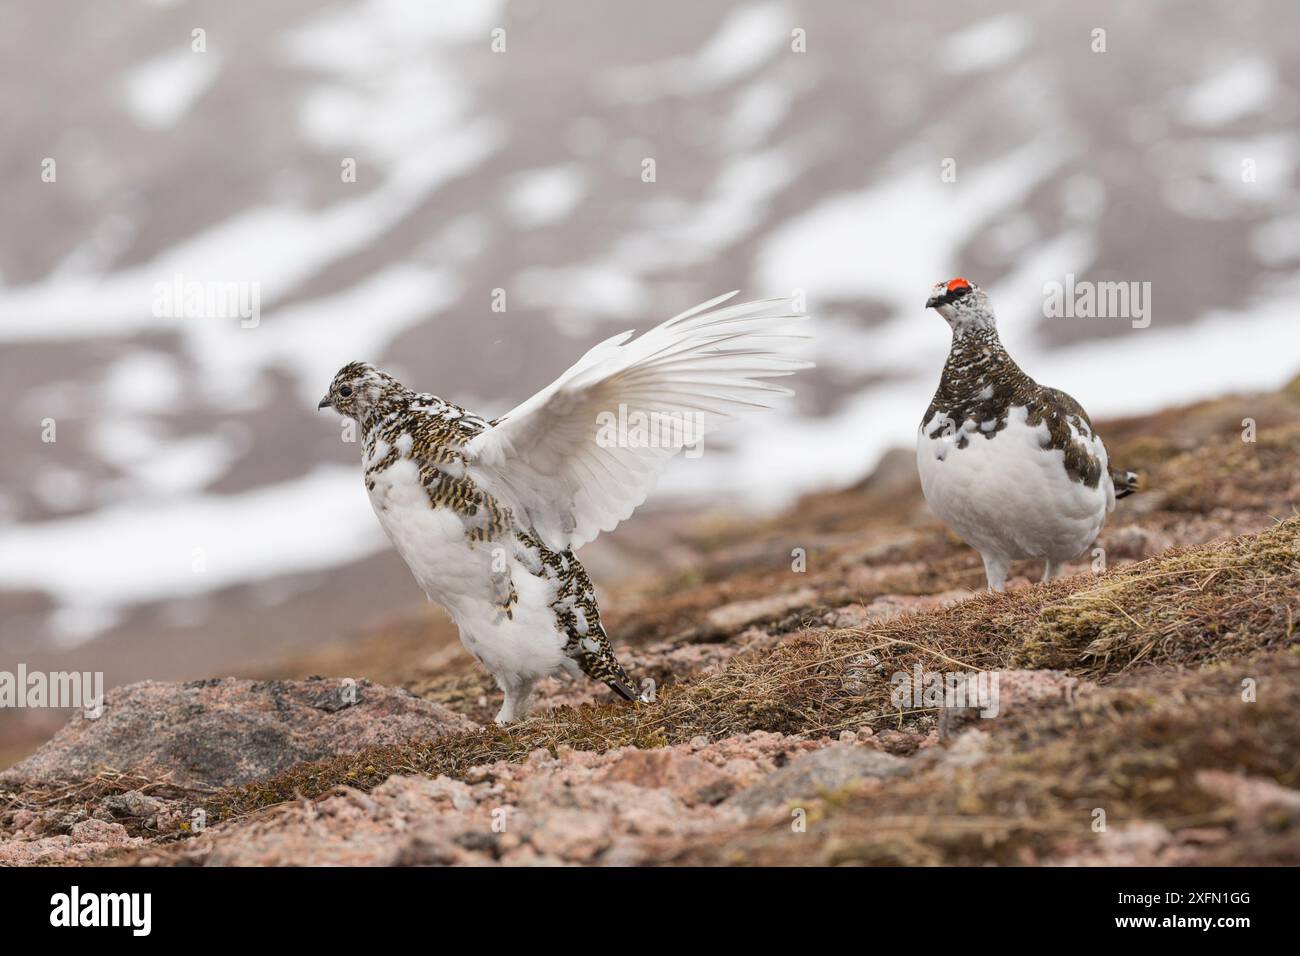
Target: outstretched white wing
(562,460)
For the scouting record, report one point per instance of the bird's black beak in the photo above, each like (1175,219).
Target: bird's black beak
(935,300)
(324,403)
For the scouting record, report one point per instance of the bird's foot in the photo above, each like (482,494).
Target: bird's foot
(518,702)
(995,570)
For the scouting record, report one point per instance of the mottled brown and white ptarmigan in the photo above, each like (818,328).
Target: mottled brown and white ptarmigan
(1014,468)
(487,514)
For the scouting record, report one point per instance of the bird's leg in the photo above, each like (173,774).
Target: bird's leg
(519,699)
(995,569)
(1053,570)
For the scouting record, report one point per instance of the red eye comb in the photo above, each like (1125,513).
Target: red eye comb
(957,283)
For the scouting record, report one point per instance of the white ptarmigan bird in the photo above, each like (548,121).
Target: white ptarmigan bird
(487,514)
(1014,468)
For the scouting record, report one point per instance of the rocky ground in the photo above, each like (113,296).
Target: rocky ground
(1145,710)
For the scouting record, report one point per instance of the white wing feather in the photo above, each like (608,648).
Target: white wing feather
(543,459)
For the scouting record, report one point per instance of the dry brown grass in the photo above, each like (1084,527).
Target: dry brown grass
(1156,633)
(1184,607)
(822,681)
(1133,752)
(1237,474)
(78,797)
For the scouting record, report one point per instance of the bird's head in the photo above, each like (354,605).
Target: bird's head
(357,388)
(962,303)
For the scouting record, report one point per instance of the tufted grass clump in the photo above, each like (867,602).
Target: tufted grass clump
(1183,607)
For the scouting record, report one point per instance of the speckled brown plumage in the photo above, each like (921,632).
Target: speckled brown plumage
(579,616)
(487,515)
(981,383)
(400,424)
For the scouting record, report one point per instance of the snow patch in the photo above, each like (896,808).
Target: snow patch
(143,551)
(1238,89)
(985,44)
(160,92)
(540,197)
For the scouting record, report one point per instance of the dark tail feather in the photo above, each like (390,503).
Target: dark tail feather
(603,666)
(622,688)
(1126,482)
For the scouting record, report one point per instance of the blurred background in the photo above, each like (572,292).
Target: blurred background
(196,515)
